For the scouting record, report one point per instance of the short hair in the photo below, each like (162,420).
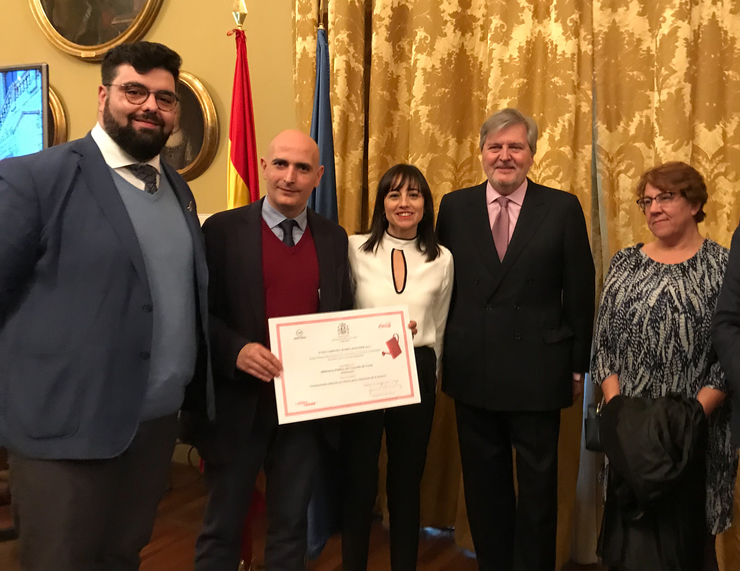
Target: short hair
(506,118)
(143,57)
(393,179)
(677,176)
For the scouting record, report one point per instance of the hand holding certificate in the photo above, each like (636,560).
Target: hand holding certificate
(343,362)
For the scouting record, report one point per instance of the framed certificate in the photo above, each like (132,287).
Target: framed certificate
(343,362)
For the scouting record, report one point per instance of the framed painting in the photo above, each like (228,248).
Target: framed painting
(193,144)
(87,29)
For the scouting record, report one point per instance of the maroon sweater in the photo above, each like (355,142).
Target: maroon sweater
(291,275)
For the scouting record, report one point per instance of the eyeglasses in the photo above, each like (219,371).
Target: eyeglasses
(662,199)
(136,94)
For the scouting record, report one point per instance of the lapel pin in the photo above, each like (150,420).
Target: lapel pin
(191,206)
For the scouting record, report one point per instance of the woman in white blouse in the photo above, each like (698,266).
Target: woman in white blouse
(399,262)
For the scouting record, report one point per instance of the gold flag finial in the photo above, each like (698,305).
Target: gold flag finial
(239,11)
(321,14)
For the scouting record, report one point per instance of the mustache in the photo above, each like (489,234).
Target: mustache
(146,116)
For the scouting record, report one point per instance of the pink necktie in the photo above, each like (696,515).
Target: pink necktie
(500,228)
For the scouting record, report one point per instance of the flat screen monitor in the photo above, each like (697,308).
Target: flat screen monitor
(24,109)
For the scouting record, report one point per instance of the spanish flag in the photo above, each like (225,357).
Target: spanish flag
(243,175)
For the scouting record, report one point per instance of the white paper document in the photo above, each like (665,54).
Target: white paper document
(343,362)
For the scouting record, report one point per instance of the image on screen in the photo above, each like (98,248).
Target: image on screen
(23,115)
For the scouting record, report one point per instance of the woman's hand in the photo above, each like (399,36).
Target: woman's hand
(710,399)
(610,387)
(412,328)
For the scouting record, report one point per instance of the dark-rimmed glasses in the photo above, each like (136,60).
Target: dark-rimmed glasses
(136,94)
(662,199)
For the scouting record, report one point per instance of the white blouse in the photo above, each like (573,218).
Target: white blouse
(427,289)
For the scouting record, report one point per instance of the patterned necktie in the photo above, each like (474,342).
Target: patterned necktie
(287,226)
(146,174)
(500,228)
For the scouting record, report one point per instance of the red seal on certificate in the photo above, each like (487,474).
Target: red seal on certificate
(394,349)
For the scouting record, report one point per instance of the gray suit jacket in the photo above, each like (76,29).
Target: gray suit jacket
(75,306)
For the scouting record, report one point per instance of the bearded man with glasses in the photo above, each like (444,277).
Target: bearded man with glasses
(103,321)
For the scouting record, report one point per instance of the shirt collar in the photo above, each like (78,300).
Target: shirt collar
(517,197)
(272,217)
(113,155)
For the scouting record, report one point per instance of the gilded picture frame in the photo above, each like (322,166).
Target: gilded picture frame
(58,119)
(87,29)
(193,144)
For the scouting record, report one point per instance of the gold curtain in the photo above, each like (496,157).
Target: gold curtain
(414,79)
(667,77)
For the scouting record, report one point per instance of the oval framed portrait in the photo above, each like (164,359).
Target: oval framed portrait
(87,29)
(192,146)
(58,131)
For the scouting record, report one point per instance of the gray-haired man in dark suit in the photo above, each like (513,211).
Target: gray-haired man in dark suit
(517,342)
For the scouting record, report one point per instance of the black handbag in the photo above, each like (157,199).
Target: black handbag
(591,427)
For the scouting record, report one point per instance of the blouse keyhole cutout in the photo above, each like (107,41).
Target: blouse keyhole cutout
(398,266)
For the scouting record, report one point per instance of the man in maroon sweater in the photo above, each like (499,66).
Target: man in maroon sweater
(272,258)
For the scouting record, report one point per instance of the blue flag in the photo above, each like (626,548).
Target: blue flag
(324,198)
(325,507)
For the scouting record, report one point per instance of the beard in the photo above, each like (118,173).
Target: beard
(142,145)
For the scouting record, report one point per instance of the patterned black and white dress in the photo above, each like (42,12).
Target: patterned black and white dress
(653,332)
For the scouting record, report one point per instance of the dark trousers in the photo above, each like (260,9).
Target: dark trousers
(290,455)
(92,515)
(510,532)
(407,430)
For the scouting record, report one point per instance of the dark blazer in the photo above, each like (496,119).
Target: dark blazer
(517,330)
(726,331)
(75,306)
(237,305)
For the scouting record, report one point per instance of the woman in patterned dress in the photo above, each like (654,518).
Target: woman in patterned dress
(653,327)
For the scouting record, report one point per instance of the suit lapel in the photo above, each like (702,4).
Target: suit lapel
(531,216)
(250,233)
(480,229)
(97,175)
(324,252)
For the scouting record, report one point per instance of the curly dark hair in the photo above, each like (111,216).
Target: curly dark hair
(143,57)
